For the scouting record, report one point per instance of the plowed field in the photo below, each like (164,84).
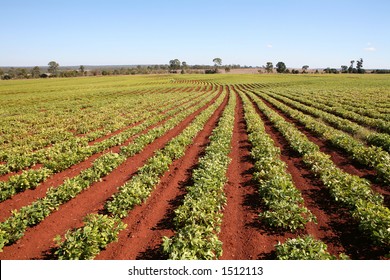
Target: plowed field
(124,167)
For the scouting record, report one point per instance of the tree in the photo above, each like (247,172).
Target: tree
(11,73)
(174,64)
(359,66)
(344,69)
(331,70)
(350,69)
(217,62)
(21,73)
(82,70)
(53,68)
(35,72)
(269,67)
(304,68)
(281,67)
(227,69)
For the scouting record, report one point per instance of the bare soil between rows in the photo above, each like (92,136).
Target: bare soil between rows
(38,241)
(26,197)
(149,222)
(243,234)
(340,158)
(335,226)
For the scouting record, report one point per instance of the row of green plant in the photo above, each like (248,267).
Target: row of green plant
(27,180)
(375,123)
(197,221)
(290,214)
(36,127)
(136,190)
(17,161)
(73,152)
(82,243)
(285,204)
(352,102)
(305,248)
(371,156)
(14,227)
(365,205)
(373,138)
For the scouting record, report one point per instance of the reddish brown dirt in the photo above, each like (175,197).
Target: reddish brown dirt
(28,196)
(100,139)
(149,222)
(339,157)
(241,235)
(6,177)
(38,241)
(335,225)
(137,123)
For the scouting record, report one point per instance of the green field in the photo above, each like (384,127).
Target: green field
(316,143)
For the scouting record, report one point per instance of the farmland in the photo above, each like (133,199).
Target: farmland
(195,167)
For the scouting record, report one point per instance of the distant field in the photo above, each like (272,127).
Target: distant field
(195,167)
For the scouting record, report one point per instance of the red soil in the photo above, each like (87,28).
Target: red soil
(339,157)
(335,225)
(149,222)
(38,240)
(26,197)
(241,235)
(100,139)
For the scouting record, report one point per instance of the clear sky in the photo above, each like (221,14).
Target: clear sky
(317,33)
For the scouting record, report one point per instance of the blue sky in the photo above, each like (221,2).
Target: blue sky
(316,33)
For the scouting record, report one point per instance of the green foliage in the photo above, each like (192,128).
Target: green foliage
(276,188)
(86,242)
(193,242)
(136,190)
(281,67)
(352,191)
(304,248)
(374,220)
(29,179)
(198,219)
(14,227)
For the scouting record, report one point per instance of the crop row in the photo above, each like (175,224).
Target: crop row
(304,248)
(348,103)
(279,192)
(83,244)
(35,128)
(276,187)
(373,138)
(354,98)
(365,205)
(70,153)
(32,130)
(198,219)
(370,156)
(14,227)
(378,124)
(18,161)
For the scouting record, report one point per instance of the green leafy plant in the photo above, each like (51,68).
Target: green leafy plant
(86,242)
(304,248)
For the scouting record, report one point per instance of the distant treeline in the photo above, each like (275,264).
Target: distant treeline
(54,70)
(381,71)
